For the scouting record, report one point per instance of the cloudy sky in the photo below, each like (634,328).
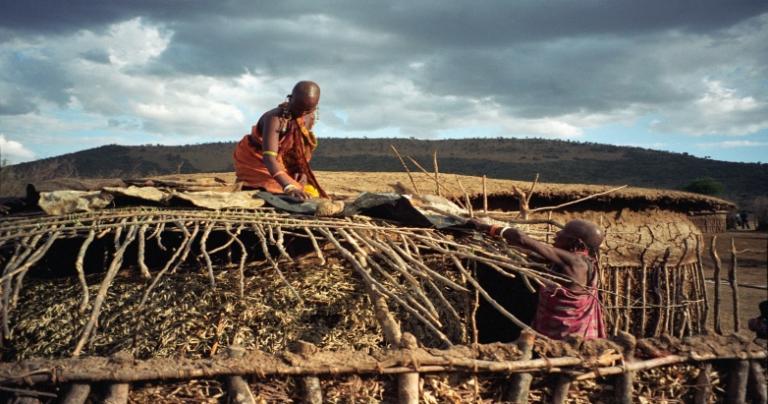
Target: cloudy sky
(685,76)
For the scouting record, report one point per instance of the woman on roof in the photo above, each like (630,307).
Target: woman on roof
(275,155)
(572,308)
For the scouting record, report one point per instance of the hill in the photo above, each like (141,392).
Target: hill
(521,159)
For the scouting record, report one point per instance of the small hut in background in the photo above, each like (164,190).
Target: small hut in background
(711,221)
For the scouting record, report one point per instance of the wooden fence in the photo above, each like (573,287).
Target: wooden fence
(36,379)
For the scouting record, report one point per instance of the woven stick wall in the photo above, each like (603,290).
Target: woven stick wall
(425,275)
(422,274)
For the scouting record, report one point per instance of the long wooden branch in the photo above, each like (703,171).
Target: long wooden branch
(101,369)
(562,205)
(663,361)
(97,369)
(114,266)
(405,167)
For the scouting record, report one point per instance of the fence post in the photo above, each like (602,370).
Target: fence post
(238,391)
(703,387)
(716,276)
(560,388)
(312,392)
(76,394)
(408,383)
(733,280)
(736,392)
(757,383)
(521,382)
(117,393)
(623,383)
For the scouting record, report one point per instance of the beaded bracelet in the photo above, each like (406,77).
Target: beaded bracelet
(289,187)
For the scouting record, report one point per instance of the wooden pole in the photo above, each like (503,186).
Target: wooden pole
(117,393)
(238,391)
(311,391)
(455,360)
(643,297)
(466,198)
(408,171)
(700,267)
(736,392)
(485,196)
(549,225)
(703,387)
(718,268)
(437,176)
(757,383)
(475,308)
(521,382)
(560,387)
(667,290)
(76,393)
(734,287)
(408,383)
(623,383)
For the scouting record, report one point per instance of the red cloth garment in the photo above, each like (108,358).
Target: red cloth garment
(562,312)
(296,145)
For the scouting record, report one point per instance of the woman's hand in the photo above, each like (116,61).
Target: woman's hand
(296,192)
(301,178)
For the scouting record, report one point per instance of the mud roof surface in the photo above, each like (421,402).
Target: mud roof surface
(348,183)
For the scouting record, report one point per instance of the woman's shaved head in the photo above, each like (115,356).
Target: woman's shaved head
(586,231)
(304,97)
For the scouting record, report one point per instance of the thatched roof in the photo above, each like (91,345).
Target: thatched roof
(347,183)
(354,182)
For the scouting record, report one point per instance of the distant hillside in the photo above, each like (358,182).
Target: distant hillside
(555,161)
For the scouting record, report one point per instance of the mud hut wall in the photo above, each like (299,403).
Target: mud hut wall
(714,222)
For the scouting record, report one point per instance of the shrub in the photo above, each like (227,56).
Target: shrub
(705,186)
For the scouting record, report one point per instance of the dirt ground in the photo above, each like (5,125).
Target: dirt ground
(752,269)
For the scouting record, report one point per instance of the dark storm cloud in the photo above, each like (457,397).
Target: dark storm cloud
(96,55)
(460,22)
(586,76)
(534,59)
(30,77)
(15,104)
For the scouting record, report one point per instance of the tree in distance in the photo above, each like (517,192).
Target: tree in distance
(705,186)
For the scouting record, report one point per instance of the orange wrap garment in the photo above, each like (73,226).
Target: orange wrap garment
(295,149)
